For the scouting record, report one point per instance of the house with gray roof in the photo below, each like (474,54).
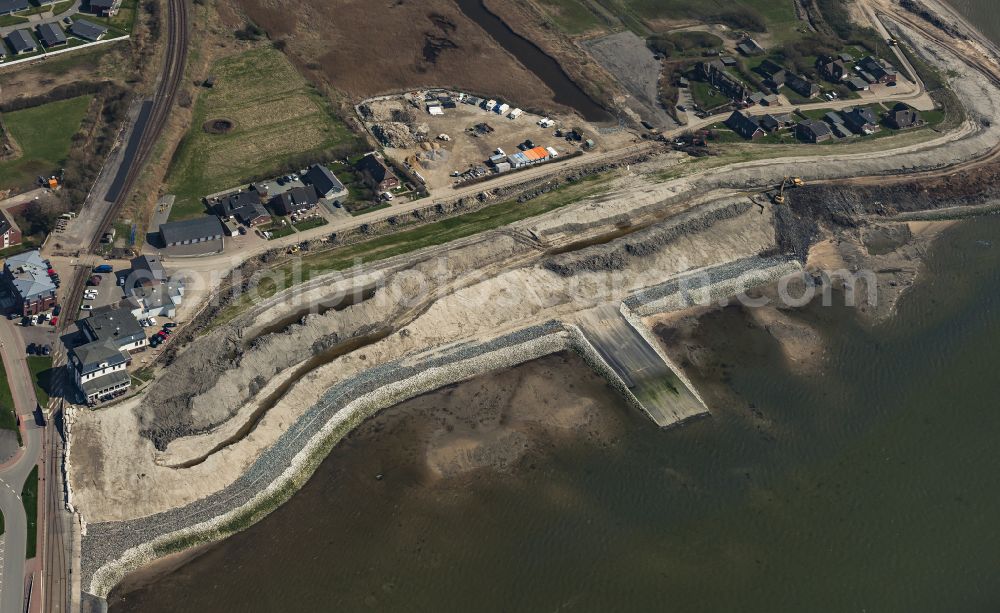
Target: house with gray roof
(12,6)
(51,35)
(100,369)
(155,300)
(113,323)
(327,185)
(147,270)
(26,278)
(191,231)
(87,30)
(21,41)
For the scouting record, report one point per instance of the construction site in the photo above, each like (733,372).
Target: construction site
(448,137)
(244,409)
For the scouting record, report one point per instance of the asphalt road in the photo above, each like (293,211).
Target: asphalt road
(14,473)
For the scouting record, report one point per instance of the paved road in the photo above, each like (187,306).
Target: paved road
(14,473)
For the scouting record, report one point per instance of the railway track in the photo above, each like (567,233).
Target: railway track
(56,588)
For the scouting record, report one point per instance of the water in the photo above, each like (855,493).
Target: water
(982,14)
(534,59)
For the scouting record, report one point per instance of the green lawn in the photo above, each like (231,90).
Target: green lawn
(279,119)
(29,496)
(706,96)
(44,135)
(61,7)
(8,418)
(437,233)
(572,16)
(12,20)
(41,375)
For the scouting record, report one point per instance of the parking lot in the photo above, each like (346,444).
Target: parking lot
(108,291)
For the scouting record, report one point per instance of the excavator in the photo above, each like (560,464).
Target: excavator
(779,198)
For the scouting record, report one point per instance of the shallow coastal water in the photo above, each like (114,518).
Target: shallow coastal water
(983,14)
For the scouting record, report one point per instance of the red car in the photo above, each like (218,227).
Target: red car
(162,334)
(54,321)
(94,280)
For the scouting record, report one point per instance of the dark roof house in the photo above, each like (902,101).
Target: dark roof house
(252,215)
(902,116)
(51,35)
(812,131)
(295,200)
(113,323)
(801,86)
(20,41)
(104,7)
(87,30)
(147,269)
(326,183)
(377,173)
(12,6)
(227,205)
(880,70)
(860,120)
(745,126)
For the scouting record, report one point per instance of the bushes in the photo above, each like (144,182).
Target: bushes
(743,18)
(683,43)
(250,32)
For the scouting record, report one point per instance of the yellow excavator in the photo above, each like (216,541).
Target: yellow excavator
(779,198)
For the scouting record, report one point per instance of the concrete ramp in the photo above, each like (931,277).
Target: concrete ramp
(660,390)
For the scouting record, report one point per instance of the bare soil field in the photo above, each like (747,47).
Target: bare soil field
(626,55)
(465,145)
(365,50)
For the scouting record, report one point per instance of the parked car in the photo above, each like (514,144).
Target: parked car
(170,324)
(167,331)
(54,321)
(86,307)
(94,280)
(46,350)
(56,309)
(152,320)
(104,268)
(30,349)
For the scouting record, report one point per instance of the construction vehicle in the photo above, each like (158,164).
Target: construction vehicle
(779,198)
(293,249)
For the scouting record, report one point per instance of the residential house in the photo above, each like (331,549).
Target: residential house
(21,42)
(378,176)
(252,215)
(801,86)
(745,126)
(774,123)
(26,278)
(13,6)
(858,84)
(902,116)
(832,70)
(774,74)
(227,205)
(51,35)
(147,270)
(104,8)
(812,131)
(326,183)
(295,201)
(880,70)
(860,120)
(87,30)
(100,370)
(155,301)
(714,72)
(10,233)
(113,323)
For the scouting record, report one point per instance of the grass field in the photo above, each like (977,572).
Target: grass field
(278,117)
(437,233)
(29,496)
(645,16)
(8,418)
(41,375)
(44,135)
